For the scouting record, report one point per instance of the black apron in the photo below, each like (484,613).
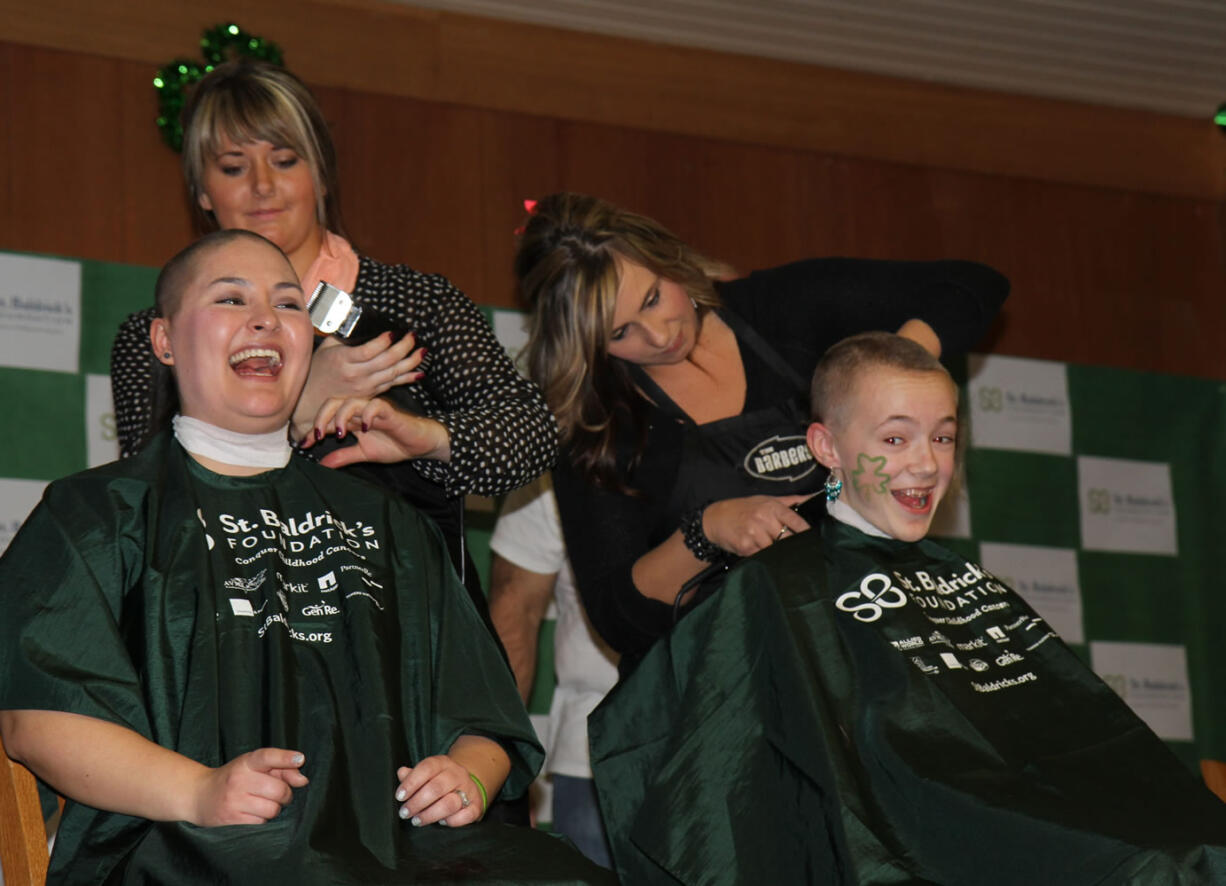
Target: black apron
(758,452)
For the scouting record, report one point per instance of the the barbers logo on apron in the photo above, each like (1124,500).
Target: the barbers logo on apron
(780,458)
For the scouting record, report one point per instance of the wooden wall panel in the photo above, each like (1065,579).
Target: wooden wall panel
(410,181)
(394,48)
(156,221)
(8,89)
(65,180)
(521,159)
(1110,276)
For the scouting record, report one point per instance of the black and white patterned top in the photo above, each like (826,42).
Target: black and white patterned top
(502,434)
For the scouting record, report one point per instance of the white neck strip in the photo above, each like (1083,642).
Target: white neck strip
(845,513)
(271,450)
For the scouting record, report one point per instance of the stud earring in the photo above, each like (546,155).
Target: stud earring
(833,487)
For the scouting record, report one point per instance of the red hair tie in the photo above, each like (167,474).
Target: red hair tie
(530,208)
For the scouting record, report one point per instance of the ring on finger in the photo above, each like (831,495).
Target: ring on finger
(784,530)
(464,801)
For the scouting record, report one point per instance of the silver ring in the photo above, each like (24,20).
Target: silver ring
(782,532)
(464,801)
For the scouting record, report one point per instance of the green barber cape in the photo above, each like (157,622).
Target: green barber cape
(299,608)
(858,710)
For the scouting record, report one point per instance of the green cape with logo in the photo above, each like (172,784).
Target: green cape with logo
(858,710)
(299,608)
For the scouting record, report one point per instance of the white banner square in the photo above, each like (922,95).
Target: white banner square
(40,313)
(1126,506)
(1046,578)
(17,499)
(1153,679)
(1019,404)
(101,440)
(511,330)
(953,516)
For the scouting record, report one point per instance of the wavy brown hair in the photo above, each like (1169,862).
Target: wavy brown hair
(568,273)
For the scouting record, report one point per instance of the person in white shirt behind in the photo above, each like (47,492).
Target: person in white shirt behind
(529,569)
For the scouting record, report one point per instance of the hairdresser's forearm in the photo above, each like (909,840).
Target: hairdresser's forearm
(660,573)
(920,332)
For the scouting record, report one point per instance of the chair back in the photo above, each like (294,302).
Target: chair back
(23,835)
(1214,772)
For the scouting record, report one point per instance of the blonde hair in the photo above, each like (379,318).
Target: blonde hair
(834,379)
(246,101)
(568,273)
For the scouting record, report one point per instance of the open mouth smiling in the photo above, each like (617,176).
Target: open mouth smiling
(917,501)
(265,362)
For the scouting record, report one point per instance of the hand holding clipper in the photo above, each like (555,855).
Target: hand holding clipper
(335,312)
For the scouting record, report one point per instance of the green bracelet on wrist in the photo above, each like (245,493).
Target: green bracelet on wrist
(485,800)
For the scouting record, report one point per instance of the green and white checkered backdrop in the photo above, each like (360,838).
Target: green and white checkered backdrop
(1095,492)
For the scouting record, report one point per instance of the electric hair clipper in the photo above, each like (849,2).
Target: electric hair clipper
(335,312)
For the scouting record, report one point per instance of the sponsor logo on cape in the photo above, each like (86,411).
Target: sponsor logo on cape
(780,458)
(248,585)
(876,592)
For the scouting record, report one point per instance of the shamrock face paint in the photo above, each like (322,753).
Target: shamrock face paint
(894,447)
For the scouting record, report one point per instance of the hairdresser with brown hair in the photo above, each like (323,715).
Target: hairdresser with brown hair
(681,395)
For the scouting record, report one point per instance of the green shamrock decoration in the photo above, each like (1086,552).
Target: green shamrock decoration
(217,44)
(862,478)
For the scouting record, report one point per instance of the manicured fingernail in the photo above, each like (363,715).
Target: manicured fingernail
(415,821)
(319,435)
(423,353)
(443,822)
(298,758)
(340,433)
(403,812)
(364,428)
(402,795)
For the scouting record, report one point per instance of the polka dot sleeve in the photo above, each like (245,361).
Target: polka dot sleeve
(131,380)
(502,434)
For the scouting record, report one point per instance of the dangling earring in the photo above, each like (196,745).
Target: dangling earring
(833,487)
(693,303)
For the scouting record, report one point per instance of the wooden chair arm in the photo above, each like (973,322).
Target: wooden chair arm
(23,835)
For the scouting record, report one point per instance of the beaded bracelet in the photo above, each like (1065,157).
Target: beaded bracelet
(695,539)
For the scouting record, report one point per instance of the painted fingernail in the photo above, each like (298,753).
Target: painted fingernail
(402,795)
(423,353)
(298,758)
(415,821)
(443,822)
(340,433)
(364,428)
(403,812)
(319,435)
